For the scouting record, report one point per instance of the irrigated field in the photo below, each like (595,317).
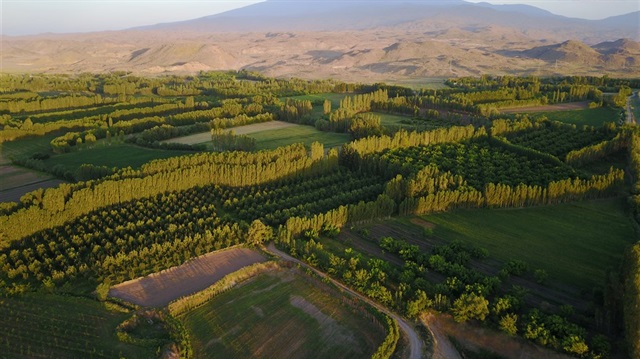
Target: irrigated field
(591,117)
(205,137)
(282,314)
(159,289)
(49,326)
(272,139)
(116,155)
(575,243)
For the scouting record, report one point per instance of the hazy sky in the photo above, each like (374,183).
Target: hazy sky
(23,17)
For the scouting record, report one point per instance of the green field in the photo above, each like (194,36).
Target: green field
(116,155)
(281,315)
(26,147)
(271,139)
(592,117)
(575,243)
(387,119)
(50,326)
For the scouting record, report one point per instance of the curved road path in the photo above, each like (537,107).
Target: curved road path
(415,343)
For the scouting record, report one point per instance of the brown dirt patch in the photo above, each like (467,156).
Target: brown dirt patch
(547,108)
(158,289)
(422,223)
(17,181)
(475,338)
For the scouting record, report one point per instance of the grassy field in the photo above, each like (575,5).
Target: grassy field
(591,117)
(387,119)
(116,155)
(26,147)
(281,314)
(575,243)
(271,139)
(50,326)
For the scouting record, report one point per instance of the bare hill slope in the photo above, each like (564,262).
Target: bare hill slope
(352,40)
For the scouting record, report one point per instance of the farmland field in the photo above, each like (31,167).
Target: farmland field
(25,147)
(159,289)
(569,106)
(281,314)
(387,119)
(591,117)
(575,243)
(116,155)
(16,181)
(241,130)
(51,326)
(271,139)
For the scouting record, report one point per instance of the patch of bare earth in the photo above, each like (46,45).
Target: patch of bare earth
(240,130)
(475,338)
(422,223)
(15,182)
(158,289)
(548,108)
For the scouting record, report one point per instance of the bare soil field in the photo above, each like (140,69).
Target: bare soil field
(16,181)
(241,130)
(558,107)
(158,289)
(474,337)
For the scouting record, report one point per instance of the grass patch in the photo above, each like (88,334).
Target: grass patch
(26,147)
(51,326)
(592,117)
(281,314)
(271,139)
(117,155)
(575,243)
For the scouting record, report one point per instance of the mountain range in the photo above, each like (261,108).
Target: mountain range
(352,40)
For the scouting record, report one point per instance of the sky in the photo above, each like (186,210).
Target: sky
(27,17)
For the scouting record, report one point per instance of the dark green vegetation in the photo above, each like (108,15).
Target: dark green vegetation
(283,314)
(588,117)
(42,325)
(574,243)
(122,217)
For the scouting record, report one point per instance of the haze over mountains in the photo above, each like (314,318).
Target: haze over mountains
(352,40)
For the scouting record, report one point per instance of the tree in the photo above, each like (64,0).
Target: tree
(508,324)
(470,306)
(27,124)
(317,151)
(259,232)
(326,106)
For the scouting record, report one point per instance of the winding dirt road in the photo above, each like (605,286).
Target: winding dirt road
(415,343)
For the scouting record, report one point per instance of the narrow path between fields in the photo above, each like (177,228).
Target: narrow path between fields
(415,343)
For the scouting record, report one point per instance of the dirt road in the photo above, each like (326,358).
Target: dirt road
(442,347)
(415,343)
